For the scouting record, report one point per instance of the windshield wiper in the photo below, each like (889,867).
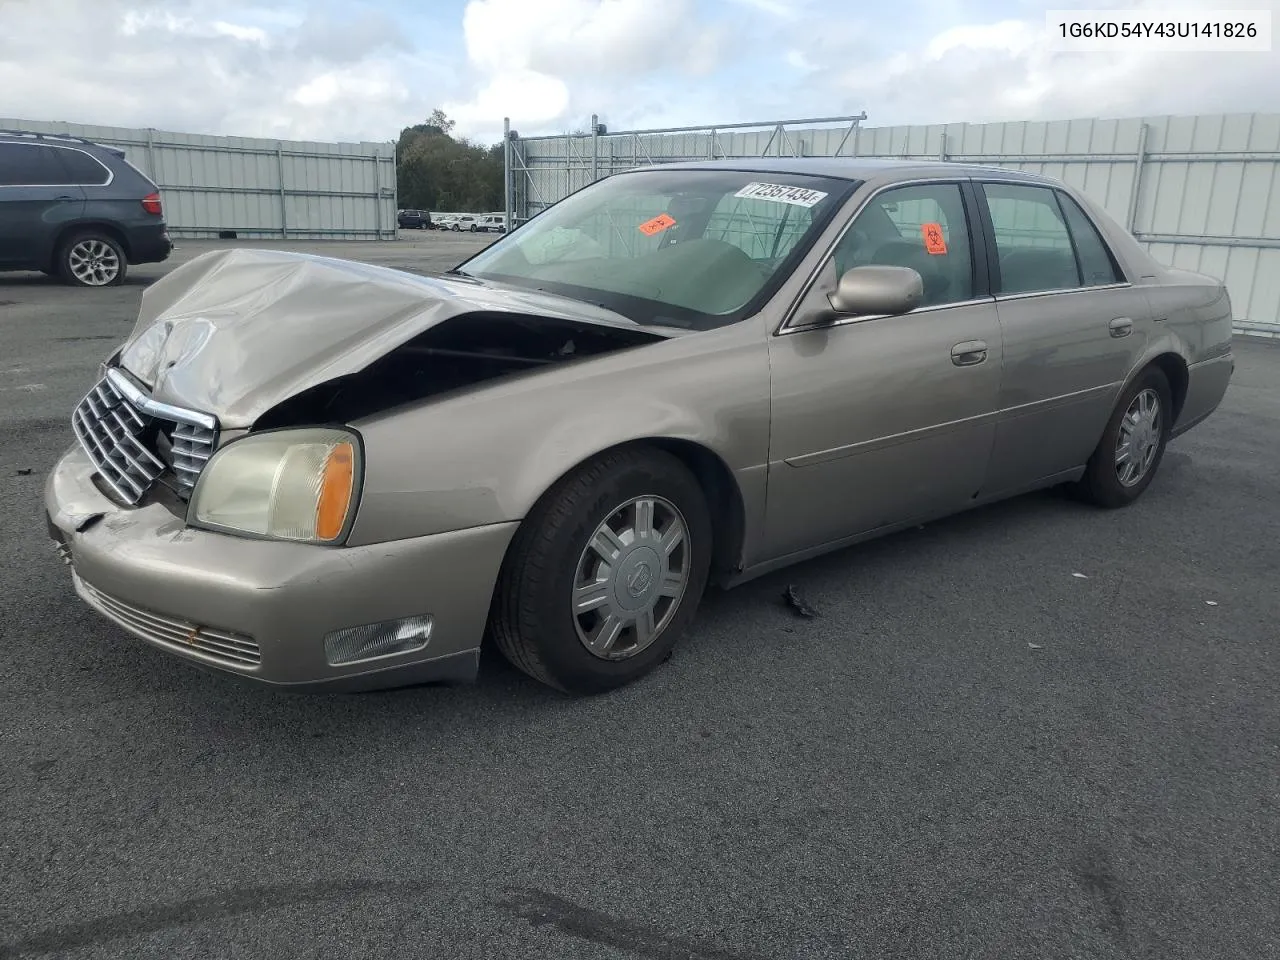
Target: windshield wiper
(455,273)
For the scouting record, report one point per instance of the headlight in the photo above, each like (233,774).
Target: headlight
(283,484)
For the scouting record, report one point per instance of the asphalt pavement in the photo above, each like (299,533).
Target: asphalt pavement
(1035,730)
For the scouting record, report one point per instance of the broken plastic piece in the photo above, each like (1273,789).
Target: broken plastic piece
(797,602)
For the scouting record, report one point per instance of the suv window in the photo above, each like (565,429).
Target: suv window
(1032,239)
(1096,263)
(923,227)
(81,168)
(29,164)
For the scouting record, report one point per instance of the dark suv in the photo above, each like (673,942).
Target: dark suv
(414,220)
(76,209)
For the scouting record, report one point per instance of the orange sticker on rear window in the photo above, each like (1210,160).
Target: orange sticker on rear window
(659,223)
(934,241)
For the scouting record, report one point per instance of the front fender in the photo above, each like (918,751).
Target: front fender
(487,455)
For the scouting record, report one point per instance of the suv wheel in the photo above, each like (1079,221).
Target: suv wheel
(92,259)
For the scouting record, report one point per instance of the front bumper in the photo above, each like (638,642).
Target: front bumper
(261,609)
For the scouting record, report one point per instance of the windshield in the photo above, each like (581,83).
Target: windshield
(693,248)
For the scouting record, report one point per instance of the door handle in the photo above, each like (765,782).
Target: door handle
(969,352)
(1120,327)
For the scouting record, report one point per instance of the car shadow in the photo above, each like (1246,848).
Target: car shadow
(501,689)
(35,279)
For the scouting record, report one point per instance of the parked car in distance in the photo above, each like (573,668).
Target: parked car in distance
(492,223)
(465,221)
(443,222)
(330,475)
(76,209)
(414,220)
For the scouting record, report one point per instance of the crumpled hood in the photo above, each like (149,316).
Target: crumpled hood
(234,332)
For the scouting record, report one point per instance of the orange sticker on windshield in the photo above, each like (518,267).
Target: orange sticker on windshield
(934,241)
(659,223)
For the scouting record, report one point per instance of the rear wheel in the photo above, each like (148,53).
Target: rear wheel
(92,259)
(1133,443)
(605,573)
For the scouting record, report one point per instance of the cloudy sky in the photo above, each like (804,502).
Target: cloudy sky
(362,69)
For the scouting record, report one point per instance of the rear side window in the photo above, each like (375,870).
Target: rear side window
(82,168)
(29,164)
(1032,239)
(1096,263)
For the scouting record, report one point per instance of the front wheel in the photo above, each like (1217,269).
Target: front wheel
(1133,443)
(605,573)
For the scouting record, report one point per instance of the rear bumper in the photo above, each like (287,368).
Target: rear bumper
(150,244)
(1207,384)
(261,610)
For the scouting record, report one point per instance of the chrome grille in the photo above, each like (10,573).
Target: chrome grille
(192,448)
(221,645)
(118,424)
(109,429)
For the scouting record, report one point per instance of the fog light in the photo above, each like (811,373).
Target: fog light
(376,640)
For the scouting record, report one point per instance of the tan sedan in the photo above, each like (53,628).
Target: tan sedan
(324,474)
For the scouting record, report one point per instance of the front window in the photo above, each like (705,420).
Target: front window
(693,248)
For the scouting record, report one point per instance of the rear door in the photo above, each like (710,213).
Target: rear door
(37,198)
(1072,325)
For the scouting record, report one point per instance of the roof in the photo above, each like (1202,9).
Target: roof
(854,168)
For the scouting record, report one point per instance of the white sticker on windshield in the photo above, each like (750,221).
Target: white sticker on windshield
(780,193)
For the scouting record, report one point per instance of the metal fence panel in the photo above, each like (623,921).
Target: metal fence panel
(256,188)
(1200,192)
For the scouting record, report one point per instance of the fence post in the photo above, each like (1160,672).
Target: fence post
(1139,161)
(595,148)
(151,155)
(506,172)
(284,221)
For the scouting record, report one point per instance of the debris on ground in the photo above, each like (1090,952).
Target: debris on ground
(1080,576)
(1035,646)
(24,472)
(1212,603)
(797,603)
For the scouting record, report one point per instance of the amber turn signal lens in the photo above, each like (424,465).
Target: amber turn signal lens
(337,483)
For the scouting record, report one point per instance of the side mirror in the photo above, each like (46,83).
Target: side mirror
(876,289)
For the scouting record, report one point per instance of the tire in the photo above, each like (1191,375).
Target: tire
(92,258)
(533,620)
(1102,483)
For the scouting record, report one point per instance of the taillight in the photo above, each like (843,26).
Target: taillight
(151,203)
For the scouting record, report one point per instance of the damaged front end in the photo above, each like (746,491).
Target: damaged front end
(240,341)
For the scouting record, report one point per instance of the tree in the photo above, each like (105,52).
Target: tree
(437,171)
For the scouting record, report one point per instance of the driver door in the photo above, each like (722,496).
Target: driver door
(880,420)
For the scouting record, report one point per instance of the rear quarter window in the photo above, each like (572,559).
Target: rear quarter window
(82,168)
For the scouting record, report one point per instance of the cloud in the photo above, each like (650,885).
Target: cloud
(245,69)
(362,69)
(551,61)
(784,9)
(1005,70)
